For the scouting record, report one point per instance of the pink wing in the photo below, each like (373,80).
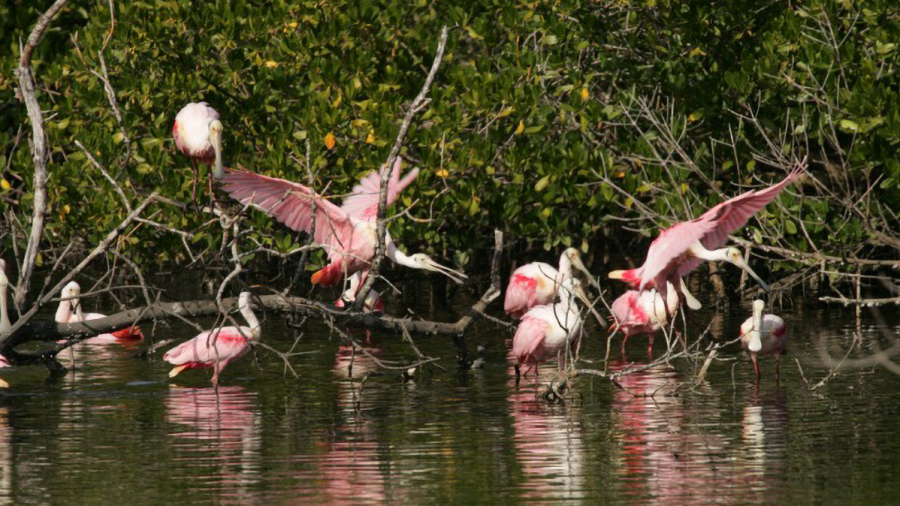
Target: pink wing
(670,246)
(291,204)
(520,295)
(362,203)
(733,214)
(529,337)
(229,345)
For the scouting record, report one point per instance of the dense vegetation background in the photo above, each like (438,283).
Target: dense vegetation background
(560,122)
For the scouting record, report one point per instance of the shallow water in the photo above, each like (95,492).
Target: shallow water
(119,429)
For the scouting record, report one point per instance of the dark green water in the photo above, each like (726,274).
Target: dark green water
(117,430)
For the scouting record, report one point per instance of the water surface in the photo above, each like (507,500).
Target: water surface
(117,428)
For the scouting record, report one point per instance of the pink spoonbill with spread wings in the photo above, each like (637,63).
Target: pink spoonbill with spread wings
(764,335)
(545,330)
(69,311)
(218,347)
(682,247)
(198,135)
(537,283)
(5,325)
(348,233)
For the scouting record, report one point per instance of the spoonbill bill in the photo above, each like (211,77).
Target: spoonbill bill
(218,347)
(764,335)
(348,233)
(545,330)
(537,283)
(682,247)
(198,135)
(69,311)
(5,325)
(644,313)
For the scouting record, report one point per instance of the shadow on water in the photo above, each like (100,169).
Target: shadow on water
(118,425)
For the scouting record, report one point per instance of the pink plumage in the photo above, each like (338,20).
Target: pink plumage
(545,330)
(347,233)
(216,348)
(673,254)
(191,131)
(537,283)
(643,312)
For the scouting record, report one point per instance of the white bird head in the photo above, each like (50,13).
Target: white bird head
(571,257)
(424,262)
(244,300)
(734,257)
(69,306)
(215,138)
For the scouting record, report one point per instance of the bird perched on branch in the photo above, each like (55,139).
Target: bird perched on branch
(198,135)
(69,311)
(536,283)
(764,335)
(348,233)
(219,347)
(682,247)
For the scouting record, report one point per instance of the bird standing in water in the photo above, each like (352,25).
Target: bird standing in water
(198,135)
(643,313)
(764,335)
(545,330)
(217,348)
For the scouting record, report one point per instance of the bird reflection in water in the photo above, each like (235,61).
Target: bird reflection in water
(549,440)
(224,425)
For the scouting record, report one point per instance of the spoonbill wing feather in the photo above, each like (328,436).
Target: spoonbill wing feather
(291,204)
(362,203)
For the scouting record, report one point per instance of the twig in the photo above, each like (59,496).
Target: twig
(414,108)
(38,151)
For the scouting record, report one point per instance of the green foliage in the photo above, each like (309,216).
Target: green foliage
(531,120)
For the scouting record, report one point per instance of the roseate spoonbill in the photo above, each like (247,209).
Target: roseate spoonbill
(545,330)
(348,233)
(372,304)
(5,325)
(198,135)
(682,247)
(69,311)
(764,335)
(218,347)
(644,313)
(536,284)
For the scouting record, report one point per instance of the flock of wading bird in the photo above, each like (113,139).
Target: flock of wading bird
(544,298)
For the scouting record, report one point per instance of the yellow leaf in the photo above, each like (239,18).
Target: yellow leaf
(329,140)
(619,175)
(336,102)
(505,112)
(293,24)
(4,184)
(629,202)
(684,188)
(442,173)
(644,188)
(271,64)
(359,123)
(585,94)
(371,137)
(697,52)
(520,128)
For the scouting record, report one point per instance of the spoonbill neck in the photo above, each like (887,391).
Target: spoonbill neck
(5,326)
(699,251)
(252,321)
